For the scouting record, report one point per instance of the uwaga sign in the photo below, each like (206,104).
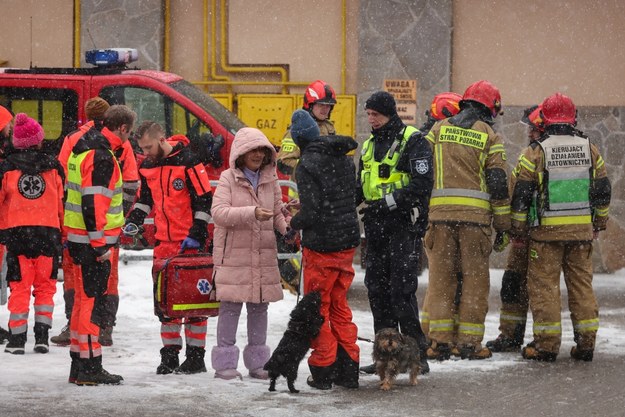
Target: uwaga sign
(405,93)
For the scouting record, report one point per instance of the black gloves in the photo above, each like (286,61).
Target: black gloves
(375,208)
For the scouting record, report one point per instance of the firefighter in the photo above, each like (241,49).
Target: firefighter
(443,105)
(394,180)
(514,297)
(94,110)
(319,100)
(569,178)
(470,192)
(175,183)
(31,207)
(93,219)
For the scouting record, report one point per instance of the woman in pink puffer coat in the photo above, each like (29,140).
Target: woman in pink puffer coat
(246,209)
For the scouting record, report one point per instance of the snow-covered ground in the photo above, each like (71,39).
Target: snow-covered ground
(35,384)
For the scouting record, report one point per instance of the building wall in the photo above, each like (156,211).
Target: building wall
(49,44)
(533,48)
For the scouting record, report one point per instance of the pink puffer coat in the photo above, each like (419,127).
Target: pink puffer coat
(244,249)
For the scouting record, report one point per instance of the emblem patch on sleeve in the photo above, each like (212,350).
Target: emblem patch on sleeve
(420,166)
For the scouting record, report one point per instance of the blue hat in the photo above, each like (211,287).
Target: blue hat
(303,127)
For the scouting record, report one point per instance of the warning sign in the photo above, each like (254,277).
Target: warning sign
(405,93)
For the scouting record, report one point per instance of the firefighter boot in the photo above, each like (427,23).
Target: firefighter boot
(4,336)
(41,338)
(474,352)
(106,336)
(91,372)
(439,351)
(346,369)
(581,355)
(194,363)
(16,343)
(504,344)
(321,377)
(74,367)
(532,353)
(169,360)
(63,338)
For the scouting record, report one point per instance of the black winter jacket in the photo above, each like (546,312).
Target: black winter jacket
(325,182)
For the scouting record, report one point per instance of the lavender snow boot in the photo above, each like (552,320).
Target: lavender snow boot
(225,360)
(255,357)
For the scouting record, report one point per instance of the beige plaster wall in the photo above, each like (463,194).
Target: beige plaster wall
(266,32)
(52,33)
(533,48)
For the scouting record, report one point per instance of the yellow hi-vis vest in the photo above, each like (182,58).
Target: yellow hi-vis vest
(374,187)
(565,195)
(73,205)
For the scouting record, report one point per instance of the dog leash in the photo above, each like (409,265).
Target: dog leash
(364,339)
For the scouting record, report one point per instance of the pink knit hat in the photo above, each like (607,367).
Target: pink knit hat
(26,132)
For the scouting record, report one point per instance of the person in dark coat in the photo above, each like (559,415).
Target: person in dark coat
(395,180)
(330,234)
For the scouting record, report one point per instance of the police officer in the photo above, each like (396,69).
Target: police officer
(394,180)
(573,193)
(470,193)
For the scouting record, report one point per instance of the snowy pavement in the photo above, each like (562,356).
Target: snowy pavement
(36,385)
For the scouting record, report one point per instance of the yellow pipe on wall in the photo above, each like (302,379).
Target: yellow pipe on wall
(343,46)
(224,55)
(166,34)
(76,33)
(213,61)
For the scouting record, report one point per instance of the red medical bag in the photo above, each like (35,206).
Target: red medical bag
(184,286)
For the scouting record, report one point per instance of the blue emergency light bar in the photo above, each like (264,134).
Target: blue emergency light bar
(112,56)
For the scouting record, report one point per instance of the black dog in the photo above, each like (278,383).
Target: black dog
(303,326)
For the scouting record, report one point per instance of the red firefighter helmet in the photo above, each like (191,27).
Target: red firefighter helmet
(559,108)
(532,116)
(445,105)
(319,92)
(486,93)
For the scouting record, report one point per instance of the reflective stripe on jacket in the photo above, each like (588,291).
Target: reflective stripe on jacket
(463,159)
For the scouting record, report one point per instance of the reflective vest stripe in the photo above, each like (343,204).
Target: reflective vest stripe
(460,201)
(100,190)
(565,220)
(527,164)
(460,192)
(548,328)
(601,212)
(143,207)
(438,154)
(519,216)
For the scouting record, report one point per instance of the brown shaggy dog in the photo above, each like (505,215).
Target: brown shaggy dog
(394,353)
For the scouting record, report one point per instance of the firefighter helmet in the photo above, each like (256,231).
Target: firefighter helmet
(559,108)
(532,117)
(445,105)
(319,92)
(485,93)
